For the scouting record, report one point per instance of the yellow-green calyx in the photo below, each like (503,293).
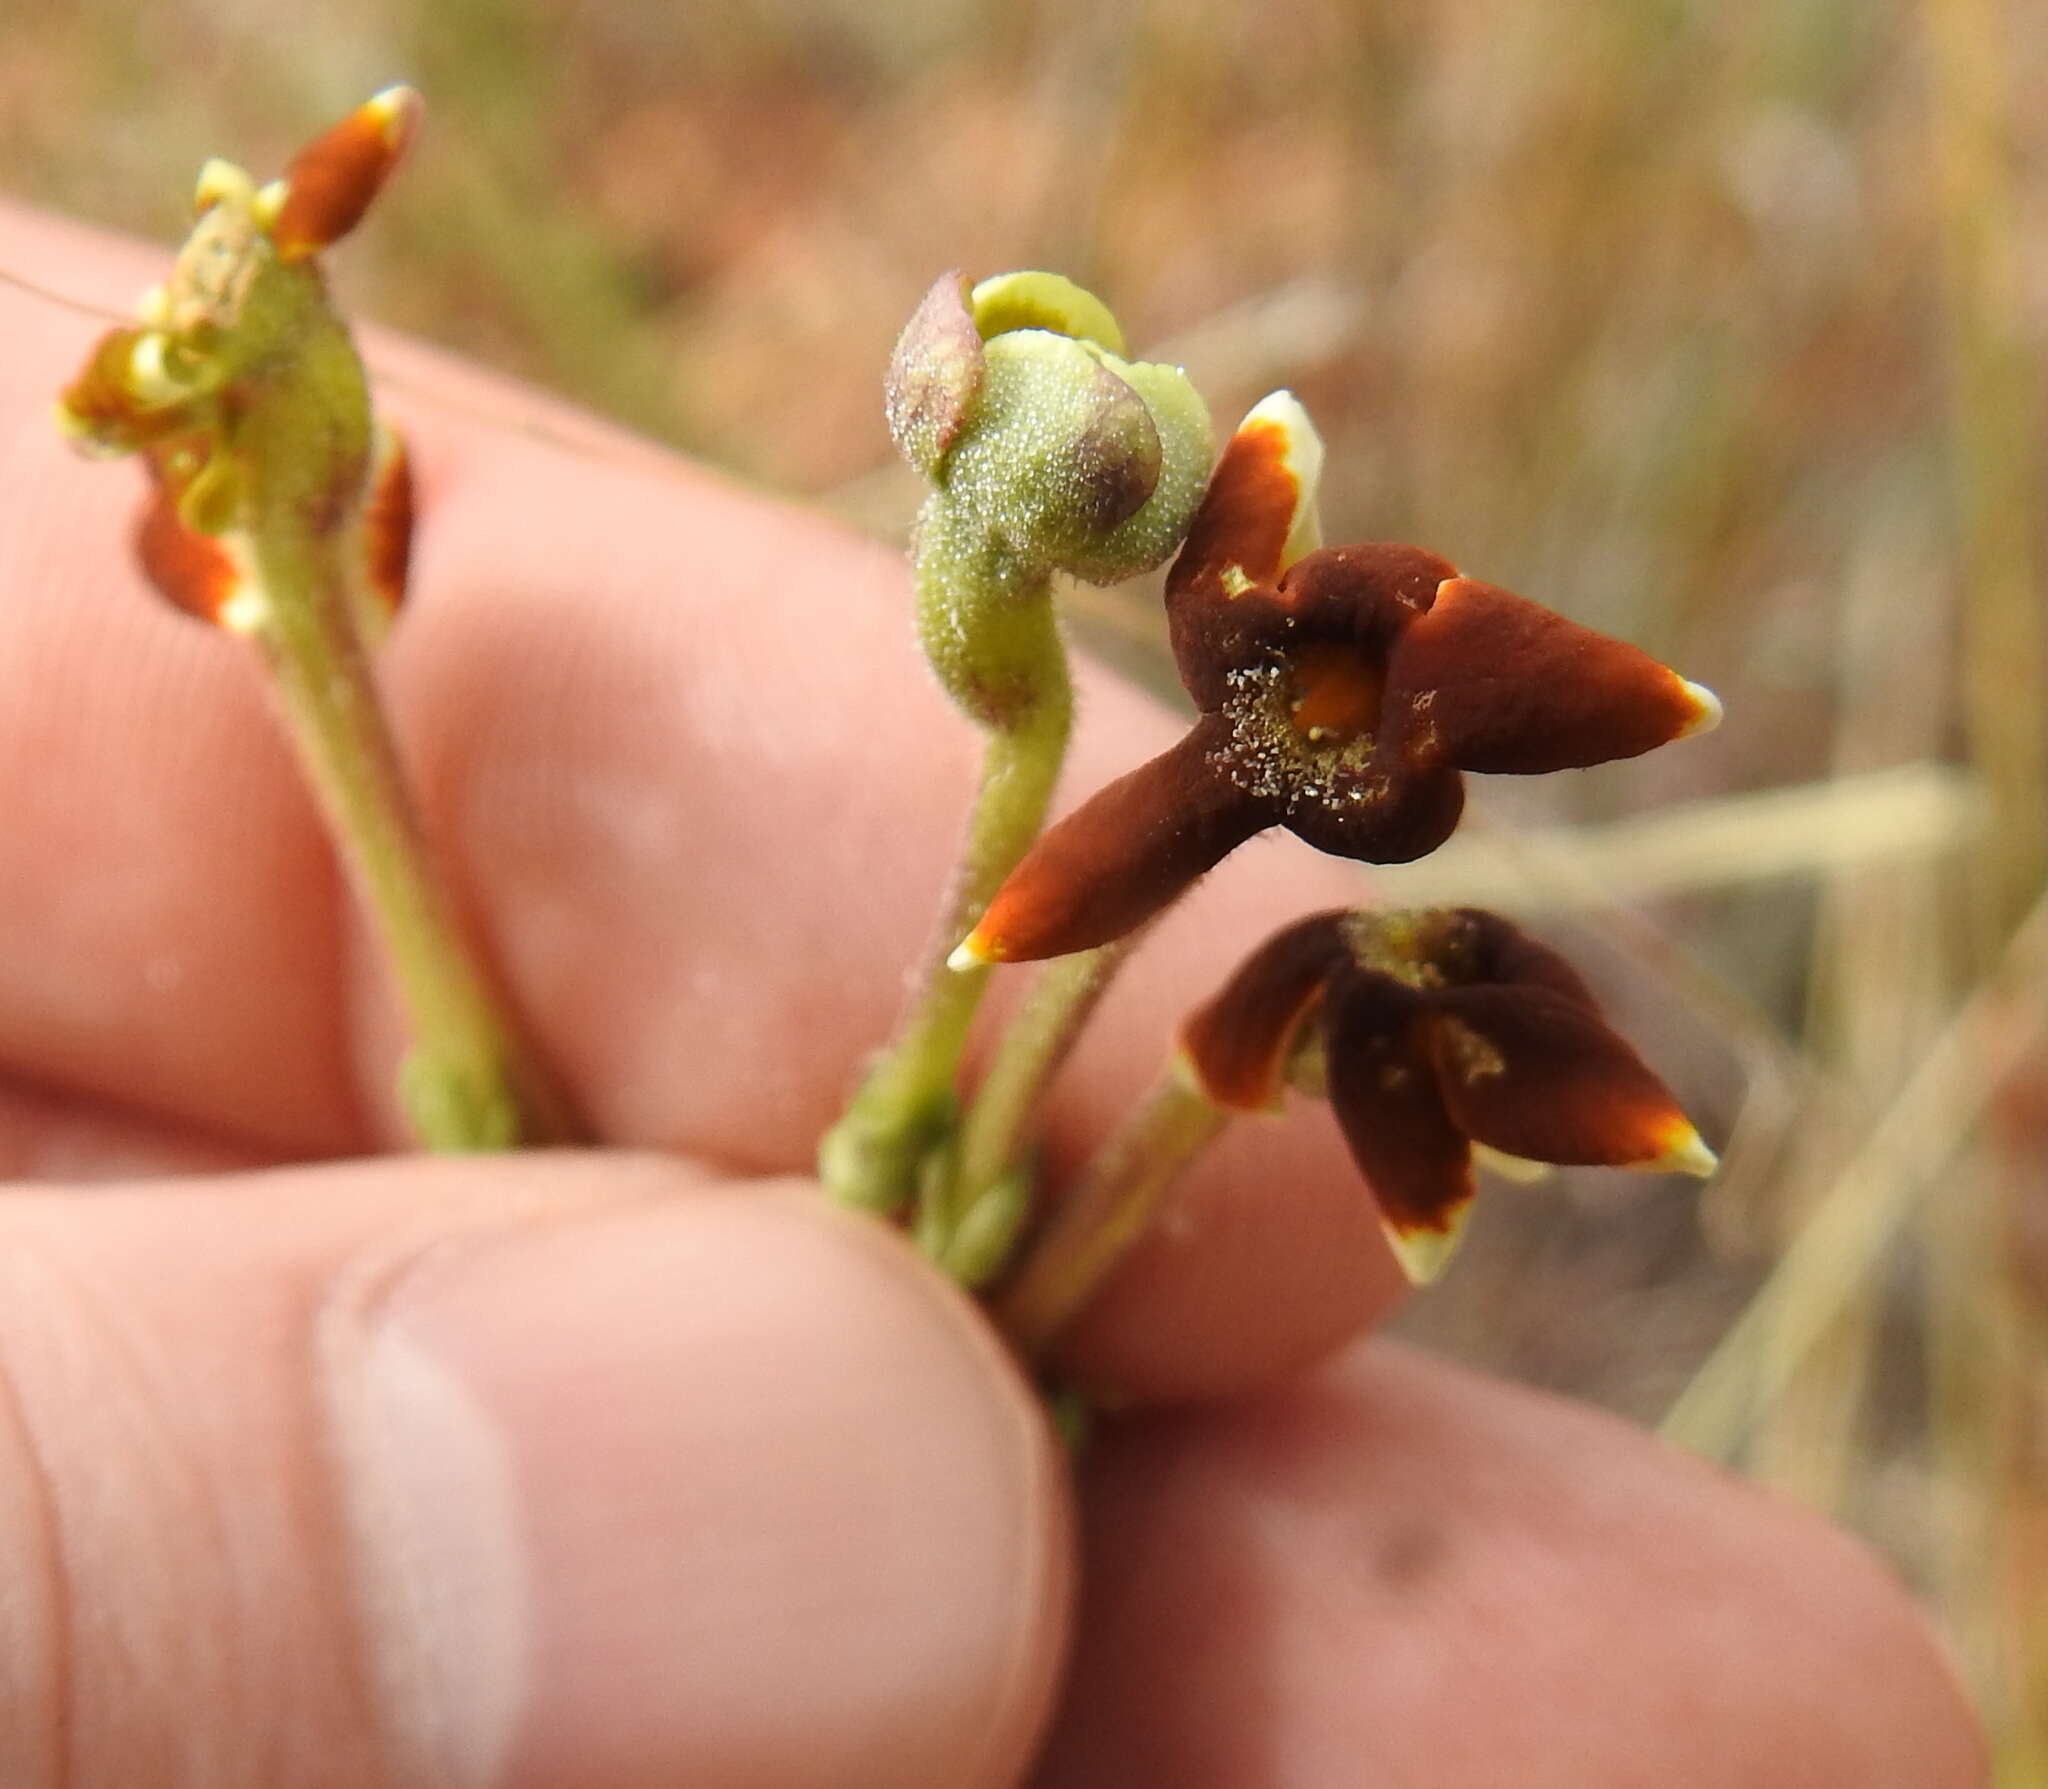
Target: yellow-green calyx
(1014,399)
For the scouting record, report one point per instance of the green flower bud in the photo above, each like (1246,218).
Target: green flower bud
(1015,400)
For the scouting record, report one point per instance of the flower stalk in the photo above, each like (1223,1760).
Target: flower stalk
(1108,1210)
(970,1213)
(964,586)
(1047,452)
(1031,1051)
(466,1082)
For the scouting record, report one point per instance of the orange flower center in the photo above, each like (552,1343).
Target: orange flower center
(1337,692)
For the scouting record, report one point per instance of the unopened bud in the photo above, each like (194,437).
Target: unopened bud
(1015,401)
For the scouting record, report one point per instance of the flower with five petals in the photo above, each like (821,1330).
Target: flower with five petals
(1342,693)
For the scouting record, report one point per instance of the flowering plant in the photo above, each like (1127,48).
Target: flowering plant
(1341,692)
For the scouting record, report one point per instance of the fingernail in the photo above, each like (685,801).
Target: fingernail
(724,1489)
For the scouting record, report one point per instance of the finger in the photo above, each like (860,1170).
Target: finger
(1403,1574)
(705,816)
(61,1137)
(546,1472)
(166,902)
(701,794)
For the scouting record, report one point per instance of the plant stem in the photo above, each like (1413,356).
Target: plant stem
(1107,1211)
(1013,681)
(1033,1046)
(468,1081)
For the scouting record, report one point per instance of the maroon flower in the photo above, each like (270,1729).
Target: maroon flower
(1342,691)
(1436,1032)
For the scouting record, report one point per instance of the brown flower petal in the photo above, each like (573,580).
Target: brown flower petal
(1530,1072)
(329,184)
(1383,1088)
(1371,592)
(1247,513)
(1257,513)
(1502,953)
(1120,858)
(101,409)
(1238,1043)
(388,521)
(1489,681)
(192,569)
(1412,813)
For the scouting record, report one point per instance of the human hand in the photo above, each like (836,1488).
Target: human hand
(649,1468)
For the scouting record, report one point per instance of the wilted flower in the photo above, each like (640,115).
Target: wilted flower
(1342,690)
(239,386)
(1432,1033)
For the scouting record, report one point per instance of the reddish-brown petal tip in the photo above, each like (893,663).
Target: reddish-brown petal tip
(388,522)
(1237,1044)
(330,183)
(103,411)
(1490,681)
(99,400)
(193,570)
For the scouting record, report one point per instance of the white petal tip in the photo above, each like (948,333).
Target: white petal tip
(967,956)
(1302,454)
(397,110)
(244,613)
(1687,1154)
(268,202)
(1706,709)
(1282,407)
(1424,1254)
(1516,1168)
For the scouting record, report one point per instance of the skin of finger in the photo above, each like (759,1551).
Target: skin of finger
(722,1456)
(698,790)
(1401,1573)
(69,1139)
(163,889)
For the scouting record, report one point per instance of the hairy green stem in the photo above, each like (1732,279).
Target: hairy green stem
(1107,1210)
(468,1081)
(988,627)
(1032,1048)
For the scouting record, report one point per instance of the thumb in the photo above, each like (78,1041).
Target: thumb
(547,1471)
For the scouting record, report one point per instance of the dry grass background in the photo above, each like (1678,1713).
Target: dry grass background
(1715,323)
